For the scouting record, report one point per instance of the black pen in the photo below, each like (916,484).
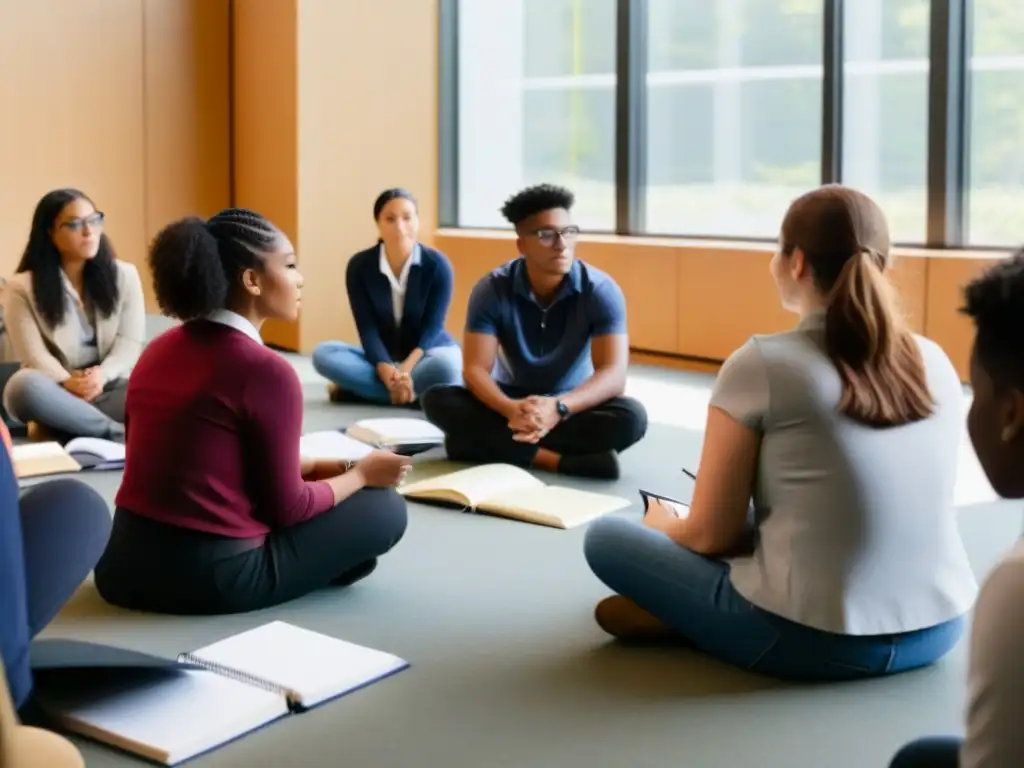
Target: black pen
(689,474)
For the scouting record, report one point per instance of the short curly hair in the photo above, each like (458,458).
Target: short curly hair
(995,302)
(195,263)
(533,200)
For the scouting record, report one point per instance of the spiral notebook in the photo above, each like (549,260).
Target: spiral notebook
(168,711)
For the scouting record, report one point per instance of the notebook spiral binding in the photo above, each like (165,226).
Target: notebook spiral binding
(234,674)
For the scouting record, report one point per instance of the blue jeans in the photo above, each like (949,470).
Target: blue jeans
(346,366)
(934,752)
(694,596)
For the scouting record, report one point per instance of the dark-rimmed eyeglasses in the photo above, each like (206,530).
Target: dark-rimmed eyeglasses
(93,221)
(548,235)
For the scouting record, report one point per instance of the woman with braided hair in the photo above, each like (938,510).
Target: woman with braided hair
(218,513)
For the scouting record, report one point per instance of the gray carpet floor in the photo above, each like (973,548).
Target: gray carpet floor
(508,668)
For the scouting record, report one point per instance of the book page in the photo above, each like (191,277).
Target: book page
(35,459)
(553,505)
(107,450)
(311,666)
(166,717)
(332,444)
(474,485)
(396,431)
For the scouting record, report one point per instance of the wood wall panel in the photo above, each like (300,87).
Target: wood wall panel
(187,111)
(955,332)
(126,100)
(703,300)
(71,82)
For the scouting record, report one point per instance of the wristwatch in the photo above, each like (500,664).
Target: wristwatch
(563,410)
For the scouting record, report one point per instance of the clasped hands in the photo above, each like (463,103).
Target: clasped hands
(533,418)
(86,383)
(398,383)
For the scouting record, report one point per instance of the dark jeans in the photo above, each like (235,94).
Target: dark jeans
(475,433)
(152,566)
(934,752)
(49,541)
(693,595)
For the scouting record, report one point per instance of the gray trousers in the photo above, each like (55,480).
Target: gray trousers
(34,396)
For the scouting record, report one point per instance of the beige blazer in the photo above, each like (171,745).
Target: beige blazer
(119,338)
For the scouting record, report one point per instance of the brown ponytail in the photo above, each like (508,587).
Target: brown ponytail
(845,240)
(877,357)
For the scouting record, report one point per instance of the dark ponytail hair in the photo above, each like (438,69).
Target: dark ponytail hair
(196,264)
(385,197)
(42,259)
(844,236)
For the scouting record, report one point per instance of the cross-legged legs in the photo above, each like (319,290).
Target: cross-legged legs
(152,566)
(692,596)
(585,443)
(33,396)
(346,367)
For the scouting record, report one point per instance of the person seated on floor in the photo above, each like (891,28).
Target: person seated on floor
(845,432)
(399,291)
(217,512)
(76,320)
(995,423)
(50,539)
(545,357)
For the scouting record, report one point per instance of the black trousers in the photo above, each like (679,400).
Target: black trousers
(475,433)
(152,566)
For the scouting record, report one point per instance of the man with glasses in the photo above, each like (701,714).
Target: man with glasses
(544,356)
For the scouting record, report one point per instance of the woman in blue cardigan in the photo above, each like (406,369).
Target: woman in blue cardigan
(400,291)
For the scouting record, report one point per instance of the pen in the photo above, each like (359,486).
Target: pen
(689,474)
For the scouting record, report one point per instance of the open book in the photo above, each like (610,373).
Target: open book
(51,458)
(508,491)
(168,711)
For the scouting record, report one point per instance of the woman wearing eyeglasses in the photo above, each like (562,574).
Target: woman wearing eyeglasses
(400,292)
(76,320)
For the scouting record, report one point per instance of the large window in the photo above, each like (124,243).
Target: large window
(733,118)
(885,109)
(537,103)
(705,119)
(996,167)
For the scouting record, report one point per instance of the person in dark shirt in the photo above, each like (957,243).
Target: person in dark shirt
(49,541)
(546,351)
(400,291)
(217,512)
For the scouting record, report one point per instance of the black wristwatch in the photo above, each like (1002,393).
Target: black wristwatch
(563,410)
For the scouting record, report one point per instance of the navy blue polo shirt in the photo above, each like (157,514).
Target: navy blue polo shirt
(545,350)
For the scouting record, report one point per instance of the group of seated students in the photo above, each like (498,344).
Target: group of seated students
(821,542)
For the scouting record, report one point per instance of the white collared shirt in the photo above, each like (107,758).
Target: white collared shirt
(236,321)
(398,284)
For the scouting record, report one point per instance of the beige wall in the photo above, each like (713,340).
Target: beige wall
(127,100)
(353,97)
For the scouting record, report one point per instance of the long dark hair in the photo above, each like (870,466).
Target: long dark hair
(844,236)
(42,259)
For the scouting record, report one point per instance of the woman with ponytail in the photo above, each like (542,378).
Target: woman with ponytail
(821,542)
(218,512)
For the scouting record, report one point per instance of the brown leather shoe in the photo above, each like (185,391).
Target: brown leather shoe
(621,617)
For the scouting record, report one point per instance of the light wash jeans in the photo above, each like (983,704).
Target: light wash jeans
(693,595)
(346,366)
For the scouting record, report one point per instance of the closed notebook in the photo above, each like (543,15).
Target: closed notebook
(508,491)
(95,453)
(170,711)
(398,434)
